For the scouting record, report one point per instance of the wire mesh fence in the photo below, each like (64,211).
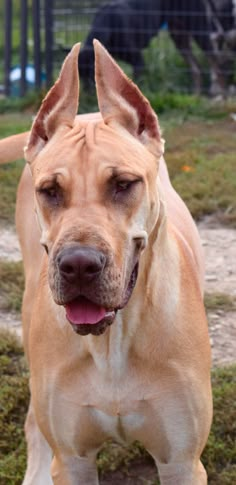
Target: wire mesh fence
(165,45)
(178,45)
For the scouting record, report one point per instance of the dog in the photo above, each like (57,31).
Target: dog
(114,325)
(126,27)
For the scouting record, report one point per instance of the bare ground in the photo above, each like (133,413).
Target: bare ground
(220,249)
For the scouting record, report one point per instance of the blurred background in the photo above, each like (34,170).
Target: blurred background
(166,45)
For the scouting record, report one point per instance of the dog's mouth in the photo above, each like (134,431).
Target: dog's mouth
(86,316)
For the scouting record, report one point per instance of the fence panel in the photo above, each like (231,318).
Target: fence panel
(165,45)
(26,45)
(172,45)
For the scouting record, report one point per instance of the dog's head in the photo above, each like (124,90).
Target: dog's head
(96,198)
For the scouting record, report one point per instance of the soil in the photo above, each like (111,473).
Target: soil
(142,471)
(219,244)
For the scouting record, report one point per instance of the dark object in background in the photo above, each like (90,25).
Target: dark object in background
(125,27)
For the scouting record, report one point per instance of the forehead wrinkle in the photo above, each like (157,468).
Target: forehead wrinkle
(86,176)
(77,132)
(119,151)
(90,134)
(58,175)
(68,145)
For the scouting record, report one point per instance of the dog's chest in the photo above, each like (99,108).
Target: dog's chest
(120,420)
(105,393)
(95,409)
(104,399)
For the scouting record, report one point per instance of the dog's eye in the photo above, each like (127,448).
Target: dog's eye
(124,190)
(49,192)
(52,194)
(123,185)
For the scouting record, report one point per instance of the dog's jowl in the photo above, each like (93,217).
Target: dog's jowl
(114,324)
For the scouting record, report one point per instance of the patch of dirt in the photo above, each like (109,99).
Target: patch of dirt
(9,245)
(10,251)
(141,471)
(219,244)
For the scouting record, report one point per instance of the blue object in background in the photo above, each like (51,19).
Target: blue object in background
(164,26)
(15,77)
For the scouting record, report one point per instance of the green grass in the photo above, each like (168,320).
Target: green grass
(15,122)
(9,178)
(208,149)
(10,174)
(14,397)
(210,188)
(29,102)
(219,456)
(220,453)
(11,285)
(220,301)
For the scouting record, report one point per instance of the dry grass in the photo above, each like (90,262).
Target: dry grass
(201,161)
(220,301)
(10,174)
(11,285)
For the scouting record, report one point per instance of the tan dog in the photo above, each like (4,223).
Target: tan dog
(114,323)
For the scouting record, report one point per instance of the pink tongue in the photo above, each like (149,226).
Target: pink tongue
(82,310)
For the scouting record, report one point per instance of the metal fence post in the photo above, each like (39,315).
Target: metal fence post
(37,42)
(23,46)
(8,46)
(48,12)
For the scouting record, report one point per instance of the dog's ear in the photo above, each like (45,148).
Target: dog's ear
(59,107)
(120,101)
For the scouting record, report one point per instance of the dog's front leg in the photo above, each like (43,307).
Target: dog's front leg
(74,470)
(182,474)
(179,428)
(39,453)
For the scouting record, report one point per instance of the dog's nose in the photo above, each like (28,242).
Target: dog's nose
(81,263)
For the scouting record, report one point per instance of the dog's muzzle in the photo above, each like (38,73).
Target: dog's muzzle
(82,273)
(81,263)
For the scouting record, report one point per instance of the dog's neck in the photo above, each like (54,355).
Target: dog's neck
(128,331)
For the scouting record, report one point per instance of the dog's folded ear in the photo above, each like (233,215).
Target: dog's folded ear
(59,107)
(120,100)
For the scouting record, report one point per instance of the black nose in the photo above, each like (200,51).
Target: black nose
(81,263)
